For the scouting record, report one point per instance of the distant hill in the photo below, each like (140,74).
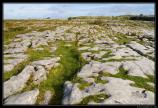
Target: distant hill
(122,17)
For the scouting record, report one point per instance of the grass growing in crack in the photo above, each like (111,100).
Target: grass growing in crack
(96,98)
(122,38)
(7,58)
(39,54)
(77,80)
(82,84)
(46,85)
(97,79)
(29,85)
(108,54)
(139,81)
(151,78)
(43,86)
(33,55)
(17,69)
(69,65)
(118,60)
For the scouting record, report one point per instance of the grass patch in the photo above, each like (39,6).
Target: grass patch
(96,22)
(7,58)
(98,79)
(47,85)
(96,98)
(108,54)
(77,80)
(151,78)
(46,28)
(121,38)
(39,54)
(29,85)
(82,84)
(70,64)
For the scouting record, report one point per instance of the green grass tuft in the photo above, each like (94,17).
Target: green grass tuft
(82,86)
(98,79)
(96,98)
(39,54)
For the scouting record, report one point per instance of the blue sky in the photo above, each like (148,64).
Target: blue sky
(36,10)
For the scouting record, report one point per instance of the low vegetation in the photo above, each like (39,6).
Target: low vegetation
(39,54)
(138,81)
(94,98)
(70,64)
(17,69)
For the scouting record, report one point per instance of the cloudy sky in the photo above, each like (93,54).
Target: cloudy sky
(24,11)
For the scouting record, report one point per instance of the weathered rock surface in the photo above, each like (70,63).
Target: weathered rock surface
(39,74)
(141,67)
(72,94)
(8,67)
(37,69)
(96,67)
(25,98)
(17,83)
(141,49)
(48,64)
(122,93)
(115,48)
(67,91)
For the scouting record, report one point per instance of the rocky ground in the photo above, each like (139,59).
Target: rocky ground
(97,62)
